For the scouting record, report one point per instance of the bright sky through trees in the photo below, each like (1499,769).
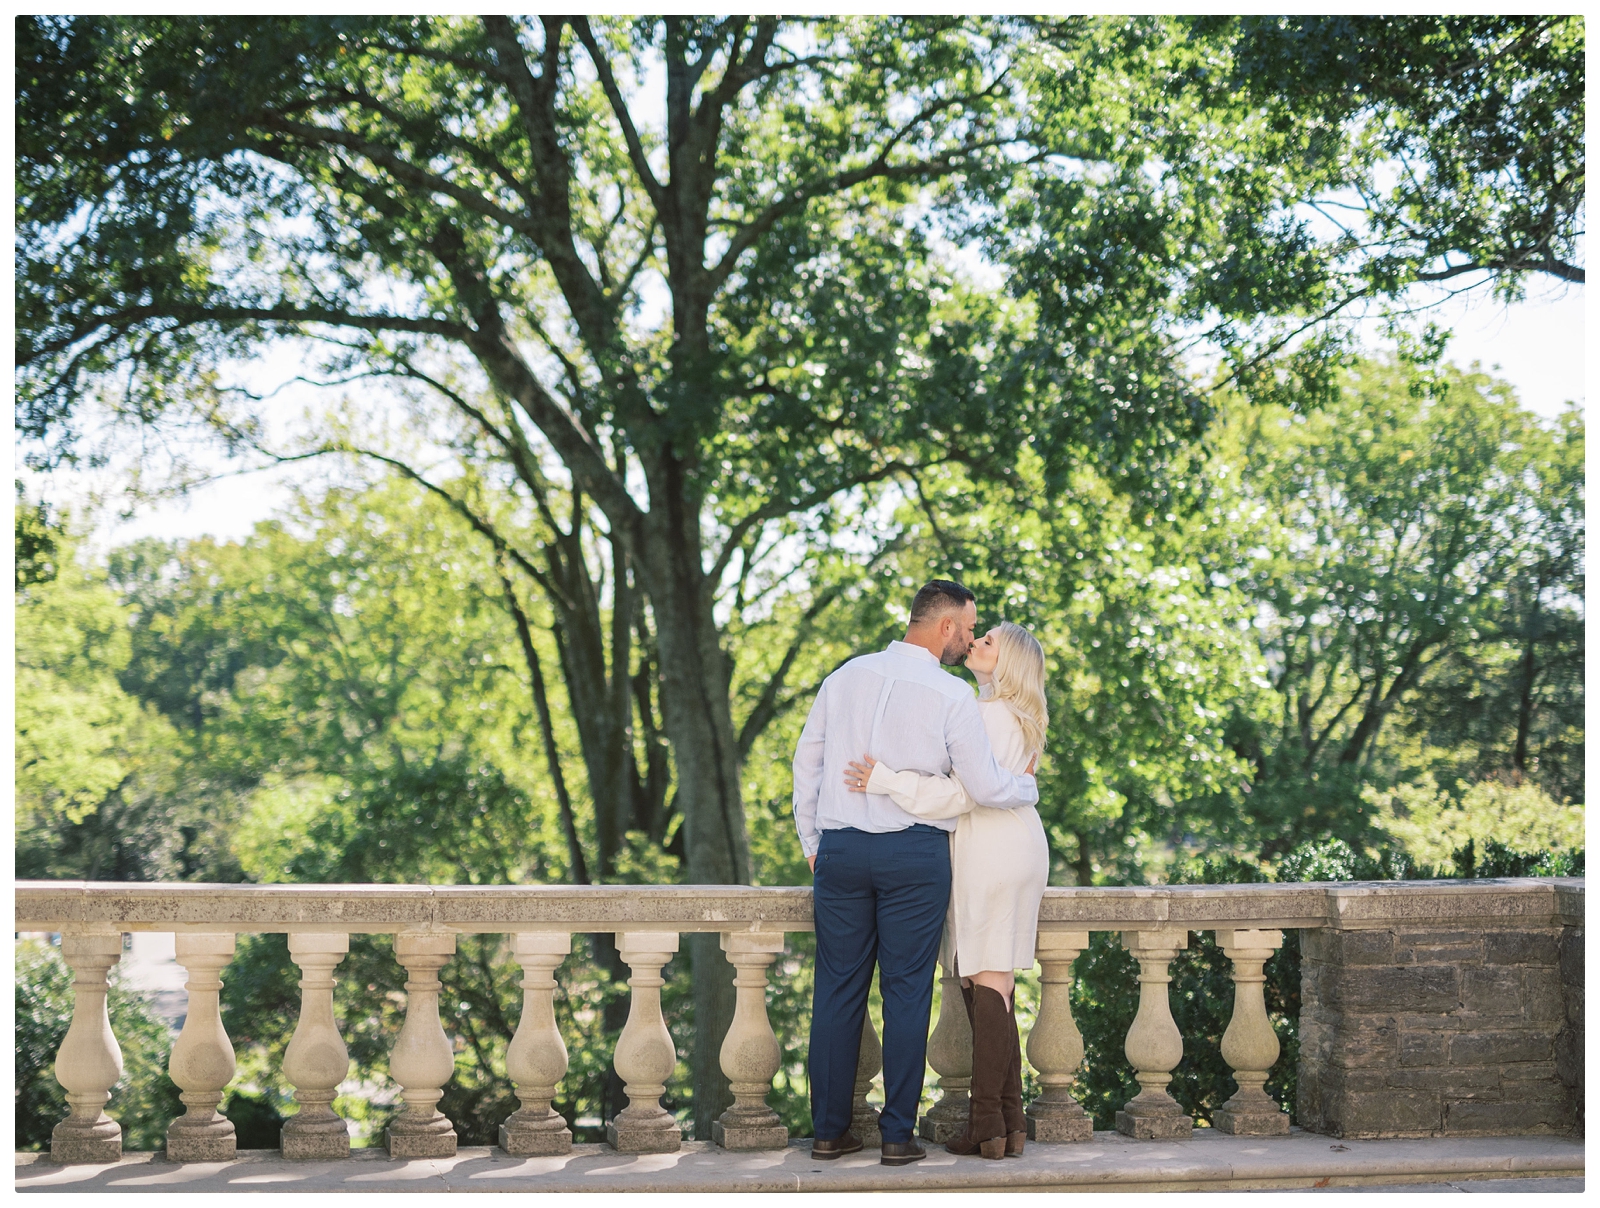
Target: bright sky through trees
(1538,344)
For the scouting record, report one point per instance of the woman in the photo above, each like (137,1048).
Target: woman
(999,865)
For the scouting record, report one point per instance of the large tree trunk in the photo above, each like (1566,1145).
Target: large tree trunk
(1083,866)
(599,689)
(1527,671)
(699,724)
(602,694)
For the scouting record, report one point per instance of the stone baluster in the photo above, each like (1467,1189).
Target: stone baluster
(1154,1044)
(536,1061)
(950,1055)
(645,1055)
(869,1064)
(316,1061)
(750,1054)
(1055,1046)
(422,1061)
(1250,1046)
(202,1064)
(89,1062)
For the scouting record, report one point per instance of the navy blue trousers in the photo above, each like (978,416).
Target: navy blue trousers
(879,899)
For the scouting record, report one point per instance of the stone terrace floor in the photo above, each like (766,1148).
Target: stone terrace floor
(1208,1162)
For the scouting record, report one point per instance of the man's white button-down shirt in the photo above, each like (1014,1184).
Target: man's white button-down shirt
(902,708)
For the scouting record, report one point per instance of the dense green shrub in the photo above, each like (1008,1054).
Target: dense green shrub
(1498,860)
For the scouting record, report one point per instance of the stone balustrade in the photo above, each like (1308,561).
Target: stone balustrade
(1398,974)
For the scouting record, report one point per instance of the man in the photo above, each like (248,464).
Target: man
(882,876)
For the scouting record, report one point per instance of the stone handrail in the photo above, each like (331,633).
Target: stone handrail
(1154,923)
(388,909)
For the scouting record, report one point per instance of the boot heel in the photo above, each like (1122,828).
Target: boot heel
(1014,1143)
(995,1148)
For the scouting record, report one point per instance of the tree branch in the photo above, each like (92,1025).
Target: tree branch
(535,98)
(482,526)
(750,232)
(1527,264)
(498,355)
(775,508)
(480,155)
(402,169)
(619,107)
(552,754)
(878,168)
(192,314)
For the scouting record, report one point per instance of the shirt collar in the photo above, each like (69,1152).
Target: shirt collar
(915,652)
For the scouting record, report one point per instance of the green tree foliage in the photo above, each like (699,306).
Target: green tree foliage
(1496,859)
(95,768)
(1429,824)
(1383,537)
(37,541)
(350,674)
(1509,702)
(1459,139)
(1309,170)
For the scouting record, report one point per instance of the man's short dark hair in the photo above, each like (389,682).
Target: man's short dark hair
(937,597)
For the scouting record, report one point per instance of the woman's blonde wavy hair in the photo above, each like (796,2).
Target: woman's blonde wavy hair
(1019,681)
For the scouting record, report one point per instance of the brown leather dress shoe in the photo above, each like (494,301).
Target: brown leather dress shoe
(902,1153)
(826,1151)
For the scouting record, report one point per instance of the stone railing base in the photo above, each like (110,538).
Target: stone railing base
(1272,1123)
(1427,1030)
(1141,1127)
(82,1145)
(748,1137)
(532,1141)
(322,1146)
(1065,1126)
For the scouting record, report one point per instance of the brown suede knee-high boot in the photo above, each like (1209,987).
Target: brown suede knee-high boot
(991,1057)
(1011,1091)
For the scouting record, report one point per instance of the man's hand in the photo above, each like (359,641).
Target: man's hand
(812,860)
(1032,764)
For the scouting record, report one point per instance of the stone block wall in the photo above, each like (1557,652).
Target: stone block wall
(1417,1031)
(1569,1040)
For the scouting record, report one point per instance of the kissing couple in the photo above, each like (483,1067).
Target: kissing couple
(914,802)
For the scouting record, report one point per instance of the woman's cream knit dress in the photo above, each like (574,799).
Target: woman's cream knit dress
(999,859)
